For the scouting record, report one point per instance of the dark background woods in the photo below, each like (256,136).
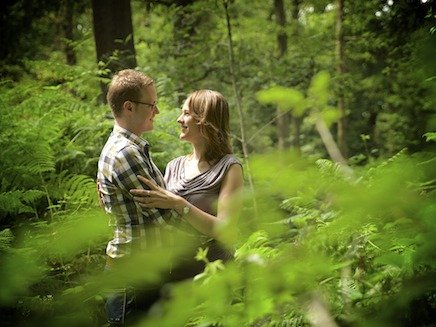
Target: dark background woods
(378,54)
(363,70)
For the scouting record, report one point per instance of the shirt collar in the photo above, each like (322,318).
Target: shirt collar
(142,143)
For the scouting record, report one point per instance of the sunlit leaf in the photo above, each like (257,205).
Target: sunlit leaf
(319,89)
(284,98)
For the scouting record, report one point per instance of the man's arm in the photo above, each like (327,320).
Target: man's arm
(130,163)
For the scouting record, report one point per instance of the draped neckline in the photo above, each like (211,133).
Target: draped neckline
(189,180)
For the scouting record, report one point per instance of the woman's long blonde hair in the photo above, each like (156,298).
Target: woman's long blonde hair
(211,110)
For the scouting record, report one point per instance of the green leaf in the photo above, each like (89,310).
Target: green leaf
(430,136)
(74,290)
(392,259)
(330,115)
(202,254)
(284,98)
(319,89)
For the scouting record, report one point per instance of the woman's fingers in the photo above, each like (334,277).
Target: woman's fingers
(148,182)
(146,205)
(141,199)
(148,198)
(140,192)
(146,202)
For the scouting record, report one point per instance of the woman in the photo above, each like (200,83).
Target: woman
(200,185)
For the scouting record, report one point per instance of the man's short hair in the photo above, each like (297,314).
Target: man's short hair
(126,85)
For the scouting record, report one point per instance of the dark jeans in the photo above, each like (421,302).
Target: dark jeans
(119,303)
(124,305)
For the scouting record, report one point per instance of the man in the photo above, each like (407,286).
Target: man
(132,98)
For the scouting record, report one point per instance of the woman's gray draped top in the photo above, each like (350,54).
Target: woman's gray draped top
(202,191)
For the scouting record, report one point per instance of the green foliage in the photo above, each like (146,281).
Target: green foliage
(283,98)
(430,136)
(6,238)
(46,123)
(316,102)
(388,75)
(50,254)
(15,202)
(355,243)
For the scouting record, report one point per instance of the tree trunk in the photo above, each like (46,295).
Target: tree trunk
(296,121)
(331,147)
(236,89)
(342,123)
(282,38)
(113,33)
(233,75)
(296,129)
(67,26)
(283,120)
(185,22)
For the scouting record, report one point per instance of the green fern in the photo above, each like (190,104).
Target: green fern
(71,190)
(6,238)
(329,168)
(80,189)
(16,202)
(401,155)
(258,248)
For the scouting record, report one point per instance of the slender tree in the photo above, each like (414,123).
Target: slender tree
(296,121)
(283,119)
(67,27)
(340,69)
(237,91)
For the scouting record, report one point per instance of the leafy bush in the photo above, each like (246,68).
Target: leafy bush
(350,250)
(340,250)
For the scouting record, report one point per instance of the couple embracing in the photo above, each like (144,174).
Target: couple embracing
(196,189)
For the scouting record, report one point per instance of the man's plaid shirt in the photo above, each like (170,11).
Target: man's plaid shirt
(124,156)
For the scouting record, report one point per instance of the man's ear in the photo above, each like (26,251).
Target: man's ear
(127,106)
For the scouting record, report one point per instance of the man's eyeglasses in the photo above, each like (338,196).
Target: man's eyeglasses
(153,105)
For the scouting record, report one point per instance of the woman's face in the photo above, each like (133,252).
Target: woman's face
(190,130)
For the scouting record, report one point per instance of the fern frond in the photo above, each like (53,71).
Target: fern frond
(395,158)
(81,189)
(28,156)
(31,196)
(257,248)
(16,202)
(72,189)
(329,168)
(40,161)
(25,171)
(6,238)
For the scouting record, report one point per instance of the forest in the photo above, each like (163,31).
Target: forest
(333,115)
